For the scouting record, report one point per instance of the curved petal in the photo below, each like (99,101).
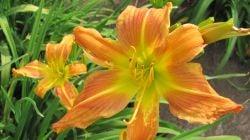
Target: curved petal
(145,121)
(43,86)
(182,45)
(103,101)
(196,107)
(59,52)
(100,50)
(191,98)
(143,27)
(34,69)
(77,69)
(67,94)
(190,76)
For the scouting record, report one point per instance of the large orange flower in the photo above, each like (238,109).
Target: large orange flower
(148,62)
(56,73)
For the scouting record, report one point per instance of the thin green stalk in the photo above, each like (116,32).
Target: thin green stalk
(227,76)
(232,41)
(6,107)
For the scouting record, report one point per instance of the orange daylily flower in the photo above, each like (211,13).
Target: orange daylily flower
(56,73)
(147,62)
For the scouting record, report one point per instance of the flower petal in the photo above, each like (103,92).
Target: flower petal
(59,52)
(212,32)
(67,94)
(191,98)
(190,76)
(182,45)
(98,100)
(34,69)
(140,27)
(196,107)
(43,86)
(144,123)
(100,50)
(77,69)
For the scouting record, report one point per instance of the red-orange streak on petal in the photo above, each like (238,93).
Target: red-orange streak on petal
(142,26)
(77,69)
(191,97)
(99,99)
(60,51)
(200,107)
(34,69)
(92,109)
(100,48)
(95,83)
(182,45)
(67,94)
(190,76)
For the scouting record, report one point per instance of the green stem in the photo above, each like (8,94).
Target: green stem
(6,108)
(227,76)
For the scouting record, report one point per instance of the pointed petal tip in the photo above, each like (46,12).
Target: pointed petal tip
(14,72)
(57,128)
(169,5)
(33,69)
(77,29)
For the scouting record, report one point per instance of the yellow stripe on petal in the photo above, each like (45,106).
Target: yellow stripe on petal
(67,94)
(44,85)
(197,107)
(191,98)
(58,53)
(144,123)
(190,76)
(143,27)
(101,98)
(212,32)
(34,69)
(102,51)
(77,69)
(182,45)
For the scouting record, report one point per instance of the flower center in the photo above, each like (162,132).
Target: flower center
(59,73)
(142,70)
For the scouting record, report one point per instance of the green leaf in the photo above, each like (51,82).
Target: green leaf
(199,130)
(223,137)
(5,59)
(7,32)
(227,76)
(33,103)
(200,11)
(24,8)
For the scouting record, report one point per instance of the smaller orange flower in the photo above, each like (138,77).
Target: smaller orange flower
(56,73)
